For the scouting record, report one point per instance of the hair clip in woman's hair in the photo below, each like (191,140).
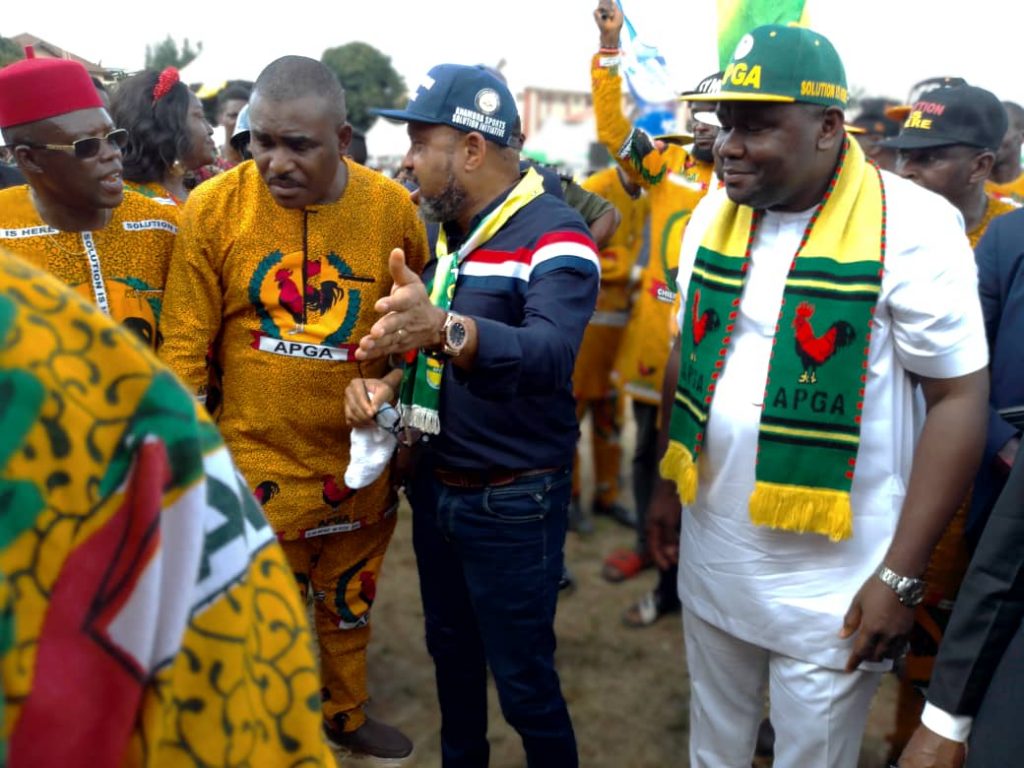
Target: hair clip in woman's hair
(167,80)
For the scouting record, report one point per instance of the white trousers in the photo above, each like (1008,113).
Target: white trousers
(819,714)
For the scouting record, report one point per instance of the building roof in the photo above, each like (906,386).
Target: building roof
(47,50)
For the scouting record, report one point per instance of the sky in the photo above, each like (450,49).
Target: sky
(886,45)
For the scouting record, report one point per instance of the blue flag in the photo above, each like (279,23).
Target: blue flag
(644,67)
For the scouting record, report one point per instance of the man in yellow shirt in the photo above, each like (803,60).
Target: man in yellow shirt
(74,218)
(277,268)
(676,178)
(948,144)
(149,617)
(592,376)
(1007,179)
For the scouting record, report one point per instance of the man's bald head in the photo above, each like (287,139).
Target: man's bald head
(294,77)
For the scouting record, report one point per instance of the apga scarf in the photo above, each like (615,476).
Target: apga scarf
(814,396)
(421,382)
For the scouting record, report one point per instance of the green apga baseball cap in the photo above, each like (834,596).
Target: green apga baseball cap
(779,63)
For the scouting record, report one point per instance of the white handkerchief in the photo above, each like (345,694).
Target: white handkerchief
(371,449)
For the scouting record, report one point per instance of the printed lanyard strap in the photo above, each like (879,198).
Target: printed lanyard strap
(99,290)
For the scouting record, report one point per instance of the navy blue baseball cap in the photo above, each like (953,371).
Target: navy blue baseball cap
(465,98)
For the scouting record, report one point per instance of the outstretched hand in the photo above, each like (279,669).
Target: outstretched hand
(409,320)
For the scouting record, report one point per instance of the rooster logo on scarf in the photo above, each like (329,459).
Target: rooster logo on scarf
(700,324)
(816,350)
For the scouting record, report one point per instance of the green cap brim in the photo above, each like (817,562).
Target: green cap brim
(738,96)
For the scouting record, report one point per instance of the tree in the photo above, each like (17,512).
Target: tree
(369,80)
(166,54)
(9,51)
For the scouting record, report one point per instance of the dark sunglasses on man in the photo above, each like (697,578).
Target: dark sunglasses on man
(84,149)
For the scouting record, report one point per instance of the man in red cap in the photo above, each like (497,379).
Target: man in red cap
(74,218)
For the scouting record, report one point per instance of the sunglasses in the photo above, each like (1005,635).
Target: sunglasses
(84,149)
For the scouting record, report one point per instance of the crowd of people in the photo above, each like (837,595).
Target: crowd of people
(220,366)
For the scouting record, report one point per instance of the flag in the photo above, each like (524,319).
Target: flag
(737,17)
(644,69)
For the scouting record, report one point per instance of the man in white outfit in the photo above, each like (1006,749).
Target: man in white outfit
(817,292)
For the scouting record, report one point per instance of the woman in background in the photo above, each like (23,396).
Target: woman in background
(169,136)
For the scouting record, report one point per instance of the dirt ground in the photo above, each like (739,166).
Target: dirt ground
(627,689)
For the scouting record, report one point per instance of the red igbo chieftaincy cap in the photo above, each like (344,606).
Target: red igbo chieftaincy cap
(35,89)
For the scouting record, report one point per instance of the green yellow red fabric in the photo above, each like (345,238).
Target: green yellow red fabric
(150,618)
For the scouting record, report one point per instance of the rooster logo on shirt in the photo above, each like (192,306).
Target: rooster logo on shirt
(320,299)
(304,300)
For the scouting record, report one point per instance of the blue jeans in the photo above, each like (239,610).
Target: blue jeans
(489,562)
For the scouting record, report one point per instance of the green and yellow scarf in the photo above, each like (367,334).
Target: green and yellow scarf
(421,382)
(814,395)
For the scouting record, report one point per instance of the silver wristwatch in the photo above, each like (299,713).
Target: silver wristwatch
(908,591)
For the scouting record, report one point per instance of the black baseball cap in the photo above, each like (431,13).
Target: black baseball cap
(899,112)
(875,124)
(963,114)
(465,98)
(704,112)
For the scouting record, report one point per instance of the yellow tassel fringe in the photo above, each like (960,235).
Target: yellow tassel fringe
(678,465)
(801,509)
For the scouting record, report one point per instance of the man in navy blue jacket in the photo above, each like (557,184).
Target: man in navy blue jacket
(491,492)
(1000,257)
(977,689)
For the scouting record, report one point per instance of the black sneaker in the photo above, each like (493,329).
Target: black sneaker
(372,739)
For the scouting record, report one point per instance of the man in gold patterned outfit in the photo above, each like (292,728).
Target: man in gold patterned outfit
(278,264)
(74,218)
